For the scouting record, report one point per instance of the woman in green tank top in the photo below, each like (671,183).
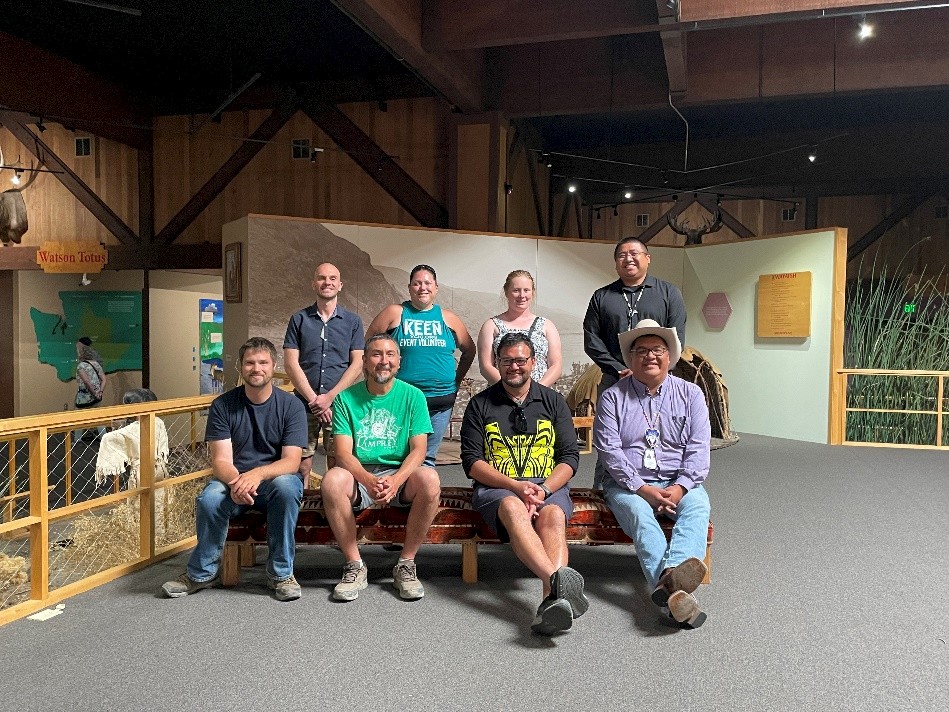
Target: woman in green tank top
(428,336)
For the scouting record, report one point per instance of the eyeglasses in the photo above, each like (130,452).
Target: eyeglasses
(635,254)
(655,351)
(519,420)
(513,361)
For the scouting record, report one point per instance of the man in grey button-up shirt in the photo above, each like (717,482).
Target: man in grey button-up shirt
(652,434)
(322,354)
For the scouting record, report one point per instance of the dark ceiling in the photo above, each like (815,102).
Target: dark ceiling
(591,83)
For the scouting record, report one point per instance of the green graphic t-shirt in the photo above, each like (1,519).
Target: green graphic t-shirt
(381,426)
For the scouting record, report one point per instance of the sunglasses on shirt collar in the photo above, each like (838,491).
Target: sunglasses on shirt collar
(518,420)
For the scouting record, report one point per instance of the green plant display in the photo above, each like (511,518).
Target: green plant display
(898,324)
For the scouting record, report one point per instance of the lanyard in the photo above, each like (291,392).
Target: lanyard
(650,462)
(631,308)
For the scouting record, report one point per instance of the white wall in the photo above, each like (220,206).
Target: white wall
(777,387)
(175,337)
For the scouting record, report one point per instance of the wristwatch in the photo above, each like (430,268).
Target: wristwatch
(546,489)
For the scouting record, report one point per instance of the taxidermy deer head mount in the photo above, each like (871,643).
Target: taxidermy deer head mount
(693,236)
(13,218)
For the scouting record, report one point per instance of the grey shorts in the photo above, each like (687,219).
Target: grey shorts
(487,500)
(364,501)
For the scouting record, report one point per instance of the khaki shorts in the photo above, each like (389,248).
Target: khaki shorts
(314,428)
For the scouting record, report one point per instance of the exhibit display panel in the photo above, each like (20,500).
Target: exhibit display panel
(764,377)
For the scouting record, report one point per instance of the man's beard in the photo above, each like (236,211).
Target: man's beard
(521,379)
(382,377)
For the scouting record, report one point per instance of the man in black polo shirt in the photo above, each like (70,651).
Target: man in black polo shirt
(618,307)
(519,446)
(322,354)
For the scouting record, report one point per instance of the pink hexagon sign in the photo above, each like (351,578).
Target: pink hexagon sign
(716,310)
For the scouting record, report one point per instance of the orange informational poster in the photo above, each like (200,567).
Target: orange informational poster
(784,305)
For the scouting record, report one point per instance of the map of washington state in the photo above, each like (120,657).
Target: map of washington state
(113,320)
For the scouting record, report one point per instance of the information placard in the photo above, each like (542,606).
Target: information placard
(784,305)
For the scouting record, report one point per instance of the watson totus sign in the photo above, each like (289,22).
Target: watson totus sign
(71,256)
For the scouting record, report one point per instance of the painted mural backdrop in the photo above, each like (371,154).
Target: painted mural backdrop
(113,320)
(211,343)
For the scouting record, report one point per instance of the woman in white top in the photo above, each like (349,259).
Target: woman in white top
(519,291)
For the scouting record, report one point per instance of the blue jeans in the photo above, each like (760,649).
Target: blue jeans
(638,520)
(440,420)
(279,498)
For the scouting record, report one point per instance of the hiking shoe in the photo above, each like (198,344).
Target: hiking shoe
(184,585)
(554,615)
(687,577)
(406,581)
(286,590)
(685,610)
(567,583)
(353,581)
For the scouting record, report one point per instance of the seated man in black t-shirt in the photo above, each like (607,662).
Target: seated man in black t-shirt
(257,434)
(519,446)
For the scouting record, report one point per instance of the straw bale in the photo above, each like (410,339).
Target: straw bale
(13,574)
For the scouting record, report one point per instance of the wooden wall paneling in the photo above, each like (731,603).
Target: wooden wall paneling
(908,49)
(797,59)
(717,75)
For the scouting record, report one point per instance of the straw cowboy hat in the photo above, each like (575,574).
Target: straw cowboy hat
(648,327)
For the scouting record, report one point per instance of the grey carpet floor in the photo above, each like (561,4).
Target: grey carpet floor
(830,592)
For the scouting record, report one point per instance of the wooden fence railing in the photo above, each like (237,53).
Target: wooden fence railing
(889,408)
(60,529)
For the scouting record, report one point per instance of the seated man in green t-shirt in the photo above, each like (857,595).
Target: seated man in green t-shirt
(381,427)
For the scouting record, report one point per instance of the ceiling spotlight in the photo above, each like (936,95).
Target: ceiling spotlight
(17,175)
(85,281)
(865,29)
(812,155)
(572,188)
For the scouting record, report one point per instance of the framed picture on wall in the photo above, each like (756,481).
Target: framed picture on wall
(232,272)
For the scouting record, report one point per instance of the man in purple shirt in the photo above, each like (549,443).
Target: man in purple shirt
(652,434)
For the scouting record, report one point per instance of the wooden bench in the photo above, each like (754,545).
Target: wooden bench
(455,523)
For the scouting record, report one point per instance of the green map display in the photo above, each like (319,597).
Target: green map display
(113,320)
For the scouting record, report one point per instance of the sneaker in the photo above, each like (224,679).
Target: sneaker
(554,615)
(567,583)
(685,610)
(406,581)
(353,581)
(184,585)
(286,590)
(687,577)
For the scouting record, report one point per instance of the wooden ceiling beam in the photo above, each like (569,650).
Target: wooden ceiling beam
(377,164)
(206,256)
(673,50)
(451,25)
(712,10)
(249,148)
(38,82)
(72,182)
(397,25)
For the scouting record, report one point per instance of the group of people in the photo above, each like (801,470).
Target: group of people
(518,443)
